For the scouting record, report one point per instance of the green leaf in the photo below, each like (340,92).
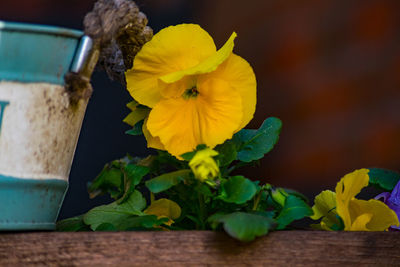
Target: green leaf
(294,209)
(189,155)
(133,176)
(238,190)
(166,181)
(135,173)
(109,180)
(279,195)
(137,129)
(164,162)
(115,213)
(383,179)
(74,224)
(254,144)
(227,153)
(269,214)
(134,223)
(243,226)
(143,222)
(204,190)
(107,227)
(296,194)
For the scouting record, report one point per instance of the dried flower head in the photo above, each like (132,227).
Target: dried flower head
(120,30)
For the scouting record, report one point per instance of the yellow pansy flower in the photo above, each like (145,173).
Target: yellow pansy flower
(197,94)
(203,165)
(357,214)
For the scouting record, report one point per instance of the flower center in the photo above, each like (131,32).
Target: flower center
(192,92)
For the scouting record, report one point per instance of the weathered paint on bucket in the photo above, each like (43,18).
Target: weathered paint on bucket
(39,128)
(36,53)
(32,204)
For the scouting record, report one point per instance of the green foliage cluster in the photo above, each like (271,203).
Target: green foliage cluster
(383,179)
(242,207)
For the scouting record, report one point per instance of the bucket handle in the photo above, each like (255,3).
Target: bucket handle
(85,58)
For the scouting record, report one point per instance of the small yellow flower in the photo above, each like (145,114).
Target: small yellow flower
(197,95)
(357,215)
(203,165)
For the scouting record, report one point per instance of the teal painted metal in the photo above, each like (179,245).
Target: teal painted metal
(3,105)
(28,204)
(36,53)
(33,53)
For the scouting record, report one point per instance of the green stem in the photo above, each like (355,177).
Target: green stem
(201,211)
(236,166)
(257,200)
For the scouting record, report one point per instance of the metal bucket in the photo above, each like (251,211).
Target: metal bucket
(39,127)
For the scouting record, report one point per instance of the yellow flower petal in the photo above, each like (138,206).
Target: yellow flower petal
(187,108)
(325,226)
(238,73)
(209,118)
(382,217)
(153,142)
(208,65)
(164,208)
(347,188)
(325,207)
(324,203)
(360,223)
(172,49)
(176,89)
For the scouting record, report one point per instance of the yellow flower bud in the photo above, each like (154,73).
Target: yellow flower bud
(203,165)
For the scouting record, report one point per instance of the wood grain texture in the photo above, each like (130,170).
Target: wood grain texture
(185,248)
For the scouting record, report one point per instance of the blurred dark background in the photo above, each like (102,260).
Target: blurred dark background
(329,69)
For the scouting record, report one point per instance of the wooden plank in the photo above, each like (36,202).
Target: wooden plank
(185,248)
